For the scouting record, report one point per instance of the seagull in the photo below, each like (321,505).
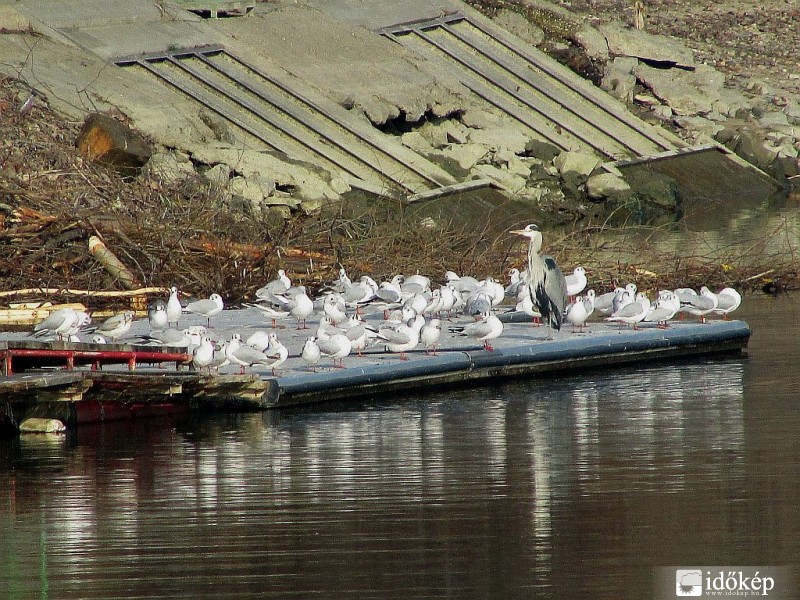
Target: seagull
(172,338)
(277,352)
(485,330)
(402,336)
(576,281)
(337,347)
(577,312)
(206,308)
(259,339)
(334,307)
(97,339)
(429,335)
(174,308)
(546,283)
(660,312)
(63,323)
(157,315)
(698,305)
(244,355)
(633,312)
(515,283)
(203,355)
(311,353)
(115,326)
(276,286)
(728,300)
(525,305)
(604,303)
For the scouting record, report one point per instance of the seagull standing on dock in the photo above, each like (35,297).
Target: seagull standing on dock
(337,347)
(115,326)
(311,353)
(485,330)
(206,308)
(203,355)
(728,300)
(174,308)
(429,335)
(576,281)
(157,315)
(547,285)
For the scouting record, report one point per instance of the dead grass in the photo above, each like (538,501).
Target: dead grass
(51,201)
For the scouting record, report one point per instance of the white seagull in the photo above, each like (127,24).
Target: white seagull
(206,308)
(485,330)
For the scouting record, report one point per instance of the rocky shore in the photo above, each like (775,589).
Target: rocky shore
(198,193)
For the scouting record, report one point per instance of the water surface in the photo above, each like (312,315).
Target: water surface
(576,486)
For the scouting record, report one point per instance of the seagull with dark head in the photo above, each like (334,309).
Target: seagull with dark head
(546,283)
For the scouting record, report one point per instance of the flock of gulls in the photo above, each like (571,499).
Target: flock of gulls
(413,312)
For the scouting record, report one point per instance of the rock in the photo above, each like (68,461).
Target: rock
(218,126)
(476,118)
(307,181)
(619,80)
(699,125)
(541,150)
(623,41)
(254,188)
(752,148)
(605,185)
(109,142)
(662,112)
(511,182)
(465,155)
(772,119)
(593,42)
(415,141)
(517,24)
(500,138)
(518,167)
(169,167)
(653,198)
(686,92)
(41,425)
(575,162)
(219,175)
(13,21)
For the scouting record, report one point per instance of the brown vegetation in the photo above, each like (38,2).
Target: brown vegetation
(52,201)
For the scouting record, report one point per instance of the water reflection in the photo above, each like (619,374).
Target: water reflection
(491,491)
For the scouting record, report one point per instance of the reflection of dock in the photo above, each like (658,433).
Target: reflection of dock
(84,392)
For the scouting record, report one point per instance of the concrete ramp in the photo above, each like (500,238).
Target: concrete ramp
(281,113)
(542,95)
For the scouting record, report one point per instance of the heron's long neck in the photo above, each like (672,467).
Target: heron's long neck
(533,251)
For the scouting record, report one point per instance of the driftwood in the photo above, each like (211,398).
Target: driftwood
(111,263)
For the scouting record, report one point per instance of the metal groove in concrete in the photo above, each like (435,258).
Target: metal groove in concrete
(531,87)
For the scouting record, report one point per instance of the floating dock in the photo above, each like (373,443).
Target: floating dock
(81,383)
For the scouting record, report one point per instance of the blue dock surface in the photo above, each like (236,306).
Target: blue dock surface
(523,349)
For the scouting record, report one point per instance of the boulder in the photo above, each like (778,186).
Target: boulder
(606,185)
(254,188)
(512,21)
(107,141)
(619,80)
(624,41)
(500,137)
(219,175)
(507,180)
(170,167)
(415,141)
(575,162)
(465,155)
(541,150)
(686,92)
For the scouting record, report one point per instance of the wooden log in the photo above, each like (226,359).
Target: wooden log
(142,291)
(111,263)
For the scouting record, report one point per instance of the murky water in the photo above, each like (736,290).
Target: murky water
(553,488)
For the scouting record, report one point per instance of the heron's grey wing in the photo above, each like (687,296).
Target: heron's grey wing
(555,284)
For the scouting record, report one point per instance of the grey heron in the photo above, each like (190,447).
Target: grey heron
(546,283)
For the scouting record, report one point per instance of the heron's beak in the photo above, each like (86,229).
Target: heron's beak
(519,232)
